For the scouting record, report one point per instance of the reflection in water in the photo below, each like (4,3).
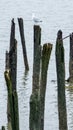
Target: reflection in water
(24,94)
(25,78)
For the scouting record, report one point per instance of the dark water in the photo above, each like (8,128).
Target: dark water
(55,14)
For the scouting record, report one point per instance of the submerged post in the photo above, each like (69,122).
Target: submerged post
(60,68)
(21,28)
(35,97)
(71,60)
(46,52)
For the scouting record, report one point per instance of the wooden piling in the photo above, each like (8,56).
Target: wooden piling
(13,64)
(71,59)
(13,56)
(11,78)
(12,102)
(60,68)
(36,57)
(8,106)
(11,67)
(35,97)
(46,52)
(21,28)
(12,34)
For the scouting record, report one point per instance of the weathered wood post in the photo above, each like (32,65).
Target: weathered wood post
(13,103)
(60,68)
(35,97)
(46,52)
(13,114)
(10,77)
(21,28)
(12,34)
(37,56)
(71,59)
(13,63)
(8,106)
(11,67)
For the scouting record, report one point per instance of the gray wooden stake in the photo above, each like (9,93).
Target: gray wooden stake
(21,28)
(35,97)
(60,68)
(46,52)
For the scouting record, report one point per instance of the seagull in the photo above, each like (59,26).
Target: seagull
(35,19)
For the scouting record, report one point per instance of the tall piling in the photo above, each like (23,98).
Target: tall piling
(35,97)
(46,52)
(21,28)
(13,55)
(71,59)
(60,68)
(36,57)
(11,78)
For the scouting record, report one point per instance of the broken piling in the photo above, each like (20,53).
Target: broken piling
(35,97)
(46,52)
(11,78)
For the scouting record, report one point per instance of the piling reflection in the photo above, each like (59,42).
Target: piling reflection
(25,77)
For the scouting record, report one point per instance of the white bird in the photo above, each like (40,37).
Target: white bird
(35,19)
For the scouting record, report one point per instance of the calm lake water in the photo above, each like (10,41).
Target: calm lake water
(55,14)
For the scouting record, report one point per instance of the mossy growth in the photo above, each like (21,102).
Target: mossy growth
(10,102)
(69,87)
(9,126)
